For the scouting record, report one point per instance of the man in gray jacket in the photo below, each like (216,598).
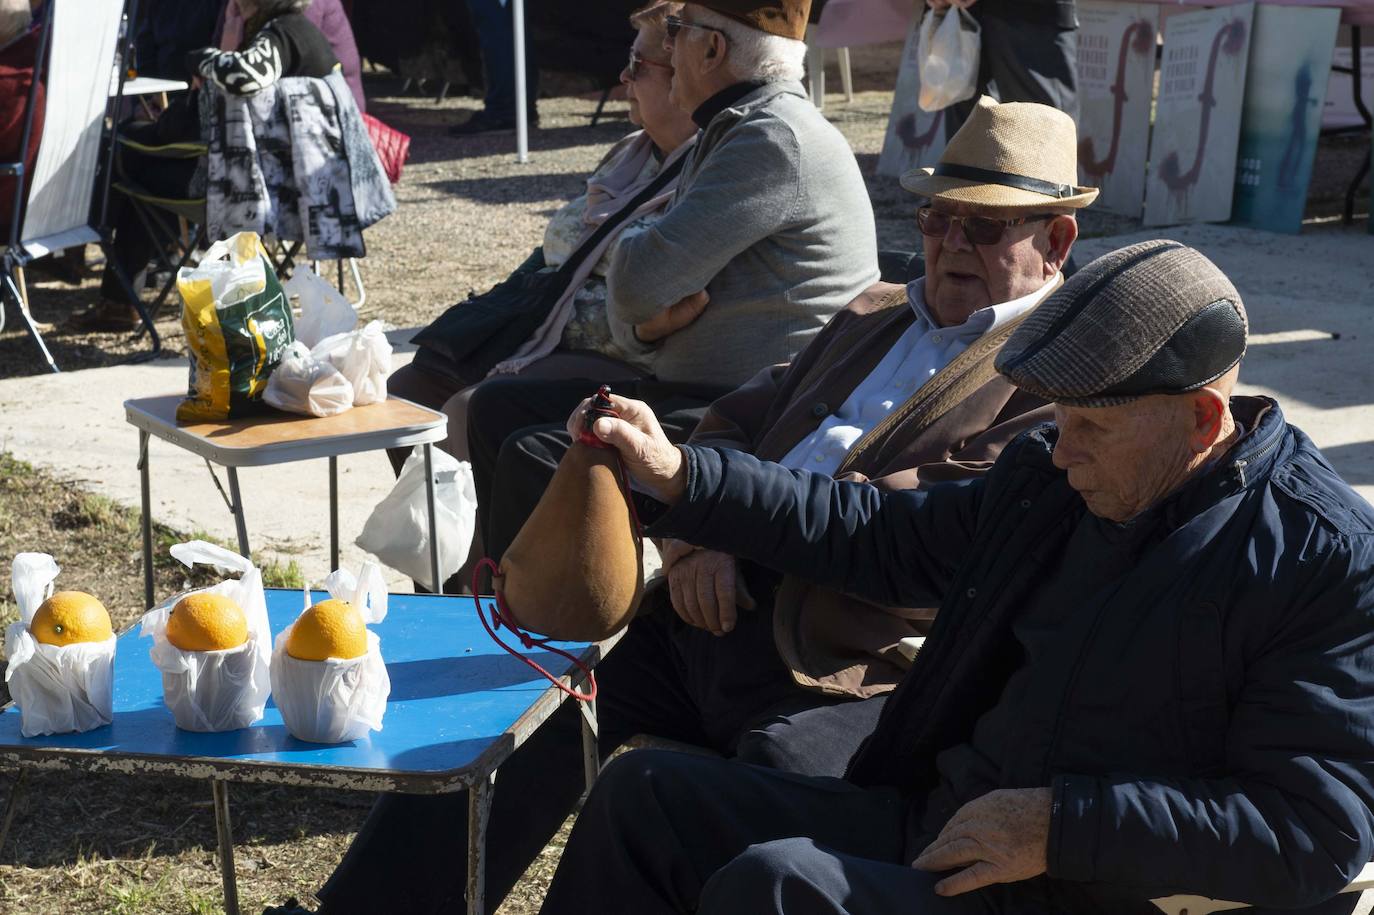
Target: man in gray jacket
(771,220)
(771,217)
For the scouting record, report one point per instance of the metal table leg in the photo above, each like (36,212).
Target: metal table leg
(433,521)
(591,756)
(479,812)
(224,829)
(236,506)
(1357,95)
(147,519)
(333,513)
(12,806)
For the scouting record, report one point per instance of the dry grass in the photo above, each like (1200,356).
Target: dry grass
(107,843)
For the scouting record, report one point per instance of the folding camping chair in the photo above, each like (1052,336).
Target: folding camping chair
(165,219)
(80,38)
(1201,905)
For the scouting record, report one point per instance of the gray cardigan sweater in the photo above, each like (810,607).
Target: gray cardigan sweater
(773,219)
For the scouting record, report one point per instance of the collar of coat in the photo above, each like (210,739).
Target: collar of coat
(1249,461)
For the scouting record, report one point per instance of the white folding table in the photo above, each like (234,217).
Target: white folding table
(281,438)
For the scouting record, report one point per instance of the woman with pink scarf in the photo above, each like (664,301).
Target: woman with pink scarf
(575,339)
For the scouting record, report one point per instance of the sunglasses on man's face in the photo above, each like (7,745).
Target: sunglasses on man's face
(979,230)
(674,24)
(632,68)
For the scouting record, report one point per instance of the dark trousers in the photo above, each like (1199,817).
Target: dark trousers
(495,27)
(730,694)
(516,437)
(133,247)
(1023,60)
(667,832)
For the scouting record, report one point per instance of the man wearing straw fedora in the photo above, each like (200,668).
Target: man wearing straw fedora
(1151,672)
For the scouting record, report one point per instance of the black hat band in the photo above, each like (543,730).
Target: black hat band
(1006,179)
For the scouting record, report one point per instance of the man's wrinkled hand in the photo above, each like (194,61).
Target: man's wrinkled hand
(1001,837)
(707,590)
(670,551)
(650,459)
(673,318)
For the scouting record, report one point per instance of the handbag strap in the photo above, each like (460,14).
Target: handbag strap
(613,222)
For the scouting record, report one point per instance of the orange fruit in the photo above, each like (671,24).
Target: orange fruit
(69,617)
(207,622)
(330,629)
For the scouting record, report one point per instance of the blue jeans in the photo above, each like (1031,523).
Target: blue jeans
(495,26)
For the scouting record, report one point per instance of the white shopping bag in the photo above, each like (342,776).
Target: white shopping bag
(215,690)
(234,266)
(304,384)
(59,688)
(325,311)
(363,357)
(397,531)
(337,699)
(948,49)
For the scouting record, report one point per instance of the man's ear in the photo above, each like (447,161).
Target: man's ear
(1063,232)
(714,56)
(1209,418)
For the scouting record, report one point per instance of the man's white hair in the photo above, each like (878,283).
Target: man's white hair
(754,55)
(15,16)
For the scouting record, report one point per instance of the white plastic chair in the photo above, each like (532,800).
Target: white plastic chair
(1201,905)
(815,70)
(79,43)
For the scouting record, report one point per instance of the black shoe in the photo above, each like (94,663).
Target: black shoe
(292,907)
(104,316)
(486,122)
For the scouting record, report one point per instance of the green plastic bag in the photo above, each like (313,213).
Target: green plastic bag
(238,327)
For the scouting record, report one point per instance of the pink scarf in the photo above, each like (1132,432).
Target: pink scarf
(607,193)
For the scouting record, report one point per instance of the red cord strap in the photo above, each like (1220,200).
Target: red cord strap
(501,614)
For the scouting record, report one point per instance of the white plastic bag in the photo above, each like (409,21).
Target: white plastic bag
(59,688)
(324,310)
(397,531)
(233,267)
(363,357)
(948,48)
(304,384)
(337,699)
(215,690)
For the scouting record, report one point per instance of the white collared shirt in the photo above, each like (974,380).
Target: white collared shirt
(921,352)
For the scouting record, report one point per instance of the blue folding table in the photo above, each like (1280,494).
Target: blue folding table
(459,706)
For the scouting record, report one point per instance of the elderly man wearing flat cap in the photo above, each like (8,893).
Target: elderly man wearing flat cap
(898,389)
(1152,671)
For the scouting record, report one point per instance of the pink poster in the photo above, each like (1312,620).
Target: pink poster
(1116,70)
(1197,118)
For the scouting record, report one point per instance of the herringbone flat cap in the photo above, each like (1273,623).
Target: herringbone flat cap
(1153,318)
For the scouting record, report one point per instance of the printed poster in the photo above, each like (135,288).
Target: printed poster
(1116,73)
(915,138)
(1290,56)
(1197,118)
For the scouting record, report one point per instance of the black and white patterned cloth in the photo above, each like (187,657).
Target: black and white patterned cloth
(294,161)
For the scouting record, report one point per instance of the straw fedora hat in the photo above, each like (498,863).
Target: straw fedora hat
(1018,155)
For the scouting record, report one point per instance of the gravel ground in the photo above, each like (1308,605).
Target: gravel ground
(469,213)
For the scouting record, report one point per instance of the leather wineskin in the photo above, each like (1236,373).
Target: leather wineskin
(575,570)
